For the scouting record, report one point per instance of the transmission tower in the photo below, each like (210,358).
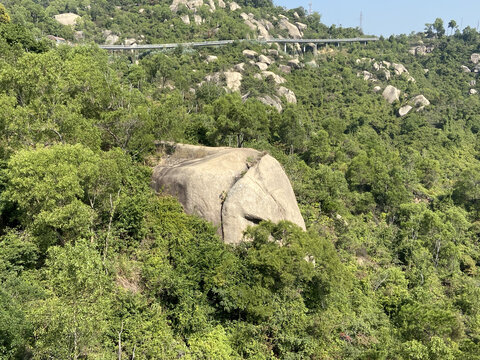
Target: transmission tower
(310,8)
(361,21)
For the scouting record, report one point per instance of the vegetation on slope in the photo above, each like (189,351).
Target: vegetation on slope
(93,264)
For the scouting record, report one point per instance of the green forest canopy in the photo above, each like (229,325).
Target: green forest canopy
(93,264)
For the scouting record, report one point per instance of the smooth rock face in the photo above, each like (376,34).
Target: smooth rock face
(67,19)
(420,100)
(234,6)
(276,78)
(190,4)
(233,80)
(289,94)
(232,188)
(250,54)
(211,58)
(404,110)
(272,101)
(262,66)
(391,94)
(475,58)
(293,31)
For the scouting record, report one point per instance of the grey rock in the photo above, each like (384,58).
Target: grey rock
(475,58)
(465,69)
(262,66)
(289,94)
(250,54)
(233,80)
(285,69)
(67,19)
(294,63)
(234,6)
(232,188)
(391,94)
(265,59)
(273,101)
(420,100)
(404,110)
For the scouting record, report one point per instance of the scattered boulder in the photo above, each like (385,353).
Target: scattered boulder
(190,4)
(250,54)
(293,31)
(233,80)
(79,35)
(475,58)
(312,63)
(267,24)
(391,94)
(221,4)
(234,6)
(285,69)
(67,19)
(129,41)
(272,52)
(272,101)
(212,5)
(404,110)
(399,69)
(465,69)
(421,50)
(265,59)
(476,69)
(250,24)
(240,67)
(211,58)
(294,63)
(377,89)
(473,82)
(301,26)
(419,101)
(289,94)
(198,19)
(387,74)
(232,188)
(296,16)
(112,39)
(262,66)
(186,19)
(276,78)
(473,91)
(366,75)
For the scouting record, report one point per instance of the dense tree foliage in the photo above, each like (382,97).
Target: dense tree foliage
(93,264)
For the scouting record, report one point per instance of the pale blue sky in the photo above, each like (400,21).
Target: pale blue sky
(391,17)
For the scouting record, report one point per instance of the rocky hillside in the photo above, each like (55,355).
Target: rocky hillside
(111,248)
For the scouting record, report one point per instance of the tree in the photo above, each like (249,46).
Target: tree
(452,25)
(4,17)
(71,319)
(439,28)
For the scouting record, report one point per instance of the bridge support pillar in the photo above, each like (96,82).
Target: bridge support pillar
(285,47)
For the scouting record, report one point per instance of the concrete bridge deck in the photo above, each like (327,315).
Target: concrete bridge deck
(226,42)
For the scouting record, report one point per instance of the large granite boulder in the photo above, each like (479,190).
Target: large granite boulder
(190,4)
(67,19)
(391,94)
(232,188)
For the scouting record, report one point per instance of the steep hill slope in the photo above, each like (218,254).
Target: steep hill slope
(381,143)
